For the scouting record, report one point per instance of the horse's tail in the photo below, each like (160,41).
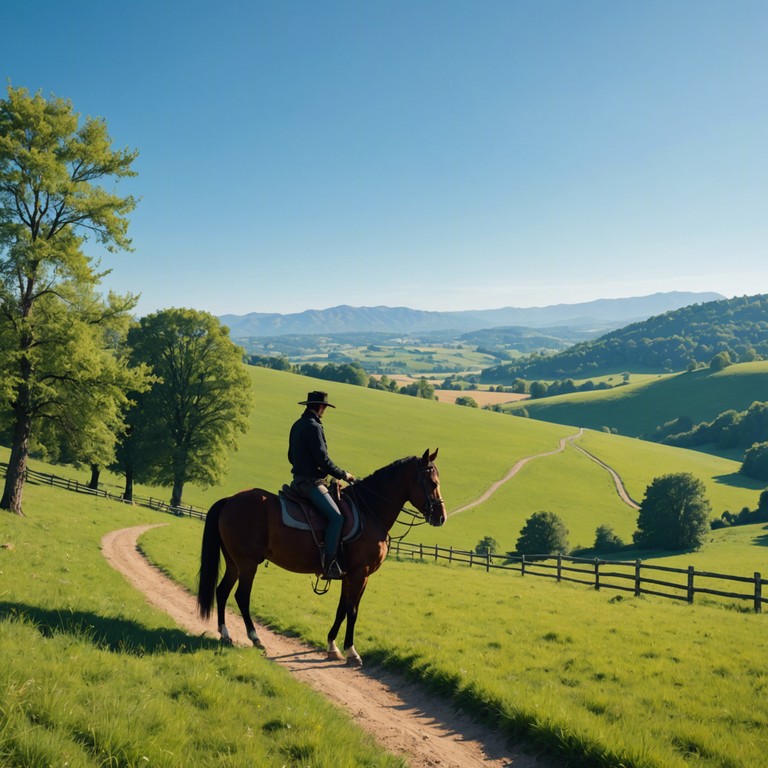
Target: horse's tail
(209,561)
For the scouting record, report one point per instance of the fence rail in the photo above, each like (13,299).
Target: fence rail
(621,575)
(624,575)
(44,478)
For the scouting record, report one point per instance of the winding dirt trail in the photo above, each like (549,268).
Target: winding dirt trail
(398,714)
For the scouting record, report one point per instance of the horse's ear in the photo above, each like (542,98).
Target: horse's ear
(426,458)
(434,455)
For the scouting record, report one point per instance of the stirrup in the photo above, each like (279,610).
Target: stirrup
(333,571)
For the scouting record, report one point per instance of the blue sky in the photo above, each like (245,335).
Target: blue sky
(435,154)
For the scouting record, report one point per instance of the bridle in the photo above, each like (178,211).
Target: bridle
(433,502)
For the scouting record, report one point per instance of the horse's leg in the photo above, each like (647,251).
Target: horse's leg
(222,595)
(243,598)
(355,589)
(333,650)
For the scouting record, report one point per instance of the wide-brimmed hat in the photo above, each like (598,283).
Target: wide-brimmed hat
(317,398)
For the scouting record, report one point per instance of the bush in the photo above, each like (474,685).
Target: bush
(606,539)
(467,401)
(487,546)
(755,462)
(674,514)
(544,533)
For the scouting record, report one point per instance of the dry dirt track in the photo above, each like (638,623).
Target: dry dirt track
(401,717)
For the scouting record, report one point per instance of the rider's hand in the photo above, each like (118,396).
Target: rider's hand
(349,478)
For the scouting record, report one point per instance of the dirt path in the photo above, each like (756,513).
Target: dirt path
(617,481)
(512,472)
(401,717)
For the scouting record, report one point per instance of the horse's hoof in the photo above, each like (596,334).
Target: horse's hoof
(335,656)
(354,661)
(226,641)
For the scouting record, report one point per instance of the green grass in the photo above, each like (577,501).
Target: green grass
(90,675)
(600,679)
(639,407)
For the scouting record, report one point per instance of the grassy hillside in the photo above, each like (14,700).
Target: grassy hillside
(638,408)
(91,676)
(600,679)
(369,429)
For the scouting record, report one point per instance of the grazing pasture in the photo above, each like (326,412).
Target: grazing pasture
(599,678)
(91,676)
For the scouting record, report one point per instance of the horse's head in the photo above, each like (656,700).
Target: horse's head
(426,494)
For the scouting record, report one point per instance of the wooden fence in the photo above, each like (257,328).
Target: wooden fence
(43,478)
(632,576)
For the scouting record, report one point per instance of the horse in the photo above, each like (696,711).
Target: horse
(247,528)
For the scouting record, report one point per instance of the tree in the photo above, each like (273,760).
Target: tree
(755,462)
(674,513)
(606,539)
(192,416)
(466,401)
(487,546)
(55,362)
(544,533)
(720,361)
(422,388)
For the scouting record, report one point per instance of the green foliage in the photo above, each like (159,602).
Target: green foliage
(606,539)
(756,462)
(422,388)
(671,341)
(487,546)
(674,514)
(56,347)
(191,418)
(466,401)
(720,361)
(543,533)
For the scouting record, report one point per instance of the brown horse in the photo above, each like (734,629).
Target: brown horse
(248,529)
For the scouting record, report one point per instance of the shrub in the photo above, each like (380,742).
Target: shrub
(487,545)
(674,514)
(606,539)
(755,462)
(467,401)
(543,533)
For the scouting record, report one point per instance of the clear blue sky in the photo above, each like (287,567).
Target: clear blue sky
(435,154)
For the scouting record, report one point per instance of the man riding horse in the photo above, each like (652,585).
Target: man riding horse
(310,465)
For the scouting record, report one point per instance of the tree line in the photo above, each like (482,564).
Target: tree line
(161,399)
(674,341)
(345,373)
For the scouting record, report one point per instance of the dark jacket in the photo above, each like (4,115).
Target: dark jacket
(308,451)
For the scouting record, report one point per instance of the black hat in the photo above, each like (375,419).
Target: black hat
(317,398)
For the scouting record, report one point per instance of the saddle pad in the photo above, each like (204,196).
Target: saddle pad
(295,515)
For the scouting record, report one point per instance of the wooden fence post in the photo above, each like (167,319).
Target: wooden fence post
(522,566)
(435,552)
(450,555)
(487,561)
(637,578)
(421,551)
(597,574)
(758,592)
(559,566)
(690,584)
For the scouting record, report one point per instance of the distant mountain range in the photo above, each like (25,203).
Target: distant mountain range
(597,316)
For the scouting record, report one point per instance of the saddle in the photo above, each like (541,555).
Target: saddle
(299,513)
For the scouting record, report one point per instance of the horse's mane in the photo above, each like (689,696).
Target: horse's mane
(385,474)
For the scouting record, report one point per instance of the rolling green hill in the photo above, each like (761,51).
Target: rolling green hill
(370,429)
(670,341)
(636,409)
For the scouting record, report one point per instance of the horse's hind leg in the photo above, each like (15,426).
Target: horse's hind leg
(243,598)
(222,595)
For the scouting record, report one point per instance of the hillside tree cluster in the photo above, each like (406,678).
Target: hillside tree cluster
(81,379)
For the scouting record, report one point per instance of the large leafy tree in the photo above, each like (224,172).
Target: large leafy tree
(544,533)
(189,420)
(56,359)
(674,513)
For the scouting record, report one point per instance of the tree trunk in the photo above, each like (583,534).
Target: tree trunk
(95,472)
(178,488)
(17,465)
(128,492)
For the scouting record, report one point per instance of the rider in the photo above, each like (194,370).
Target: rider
(310,464)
